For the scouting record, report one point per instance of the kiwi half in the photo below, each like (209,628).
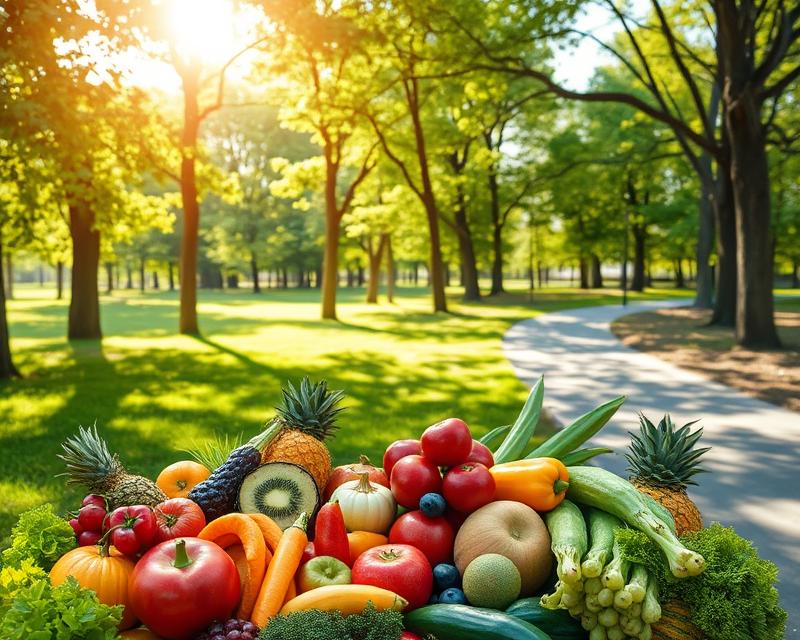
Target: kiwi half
(280,490)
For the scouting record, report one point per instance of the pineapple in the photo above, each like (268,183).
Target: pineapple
(306,417)
(675,623)
(89,463)
(663,461)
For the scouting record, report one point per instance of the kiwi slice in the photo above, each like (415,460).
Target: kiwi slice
(280,490)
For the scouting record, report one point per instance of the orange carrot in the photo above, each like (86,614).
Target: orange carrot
(269,529)
(280,573)
(245,531)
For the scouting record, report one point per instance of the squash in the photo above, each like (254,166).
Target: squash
(102,569)
(366,506)
(179,478)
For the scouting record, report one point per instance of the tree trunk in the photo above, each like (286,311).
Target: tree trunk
(318,277)
(171,275)
(59,280)
(330,258)
(584,273)
(704,292)
(597,274)
(724,314)
(755,312)
(284,278)
(466,250)
(391,269)
(142,275)
(191,207)
(109,277)
(84,304)
(233,281)
(155,280)
(497,235)
(254,272)
(7,368)
(374,261)
(129,274)
(639,241)
(795,278)
(9,277)
(350,278)
(416,274)
(680,283)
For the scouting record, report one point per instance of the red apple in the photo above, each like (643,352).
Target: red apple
(398,567)
(353,471)
(481,453)
(433,536)
(399,449)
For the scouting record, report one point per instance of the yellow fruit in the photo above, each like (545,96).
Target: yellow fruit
(303,450)
(678,503)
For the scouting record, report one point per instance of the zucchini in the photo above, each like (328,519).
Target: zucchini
(568,540)
(460,622)
(574,435)
(559,625)
(596,487)
(520,435)
(601,534)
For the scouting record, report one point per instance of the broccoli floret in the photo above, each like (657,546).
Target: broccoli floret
(321,625)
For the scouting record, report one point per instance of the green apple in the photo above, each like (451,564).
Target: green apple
(323,571)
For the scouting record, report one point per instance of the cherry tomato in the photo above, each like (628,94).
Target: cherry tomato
(178,518)
(398,567)
(468,487)
(139,519)
(433,536)
(481,453)
(92,498)
(91,517)
(88,538)
(447,443)
(76,526)
(399,449)
(125,541)
(413,477)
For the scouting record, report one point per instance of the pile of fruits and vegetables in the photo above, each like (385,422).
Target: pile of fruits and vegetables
(454,538)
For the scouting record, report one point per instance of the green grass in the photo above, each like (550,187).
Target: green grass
(153,392)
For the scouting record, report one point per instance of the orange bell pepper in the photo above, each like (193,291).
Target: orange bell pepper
(541,483)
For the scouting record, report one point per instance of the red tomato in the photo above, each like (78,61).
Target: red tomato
(178,518)
(125,541)
(468,487)
(92,498)
(180,587)
(399,449)
(447,443)
(91,517)
(433,536)
(481,453)
(139,519)
(398,567)
(413,477)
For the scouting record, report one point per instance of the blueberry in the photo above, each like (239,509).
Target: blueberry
(434,599)
(445,576)
(452,596)
(432,505)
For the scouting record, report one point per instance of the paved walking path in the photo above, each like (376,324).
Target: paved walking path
(755,460)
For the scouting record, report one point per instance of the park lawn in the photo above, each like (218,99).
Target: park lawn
(153,392)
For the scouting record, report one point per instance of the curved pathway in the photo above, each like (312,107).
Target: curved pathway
(755,460)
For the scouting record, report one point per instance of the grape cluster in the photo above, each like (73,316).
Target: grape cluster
(233,629)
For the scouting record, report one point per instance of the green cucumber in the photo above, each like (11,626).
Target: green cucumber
(574,435)
(559,625)
(569,540)
(495,436)
(460,622)
(520,435)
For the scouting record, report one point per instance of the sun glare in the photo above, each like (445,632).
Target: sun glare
(202,29)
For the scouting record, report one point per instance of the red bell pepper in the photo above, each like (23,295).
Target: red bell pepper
(330,533)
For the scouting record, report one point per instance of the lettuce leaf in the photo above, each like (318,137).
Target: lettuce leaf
(40,536)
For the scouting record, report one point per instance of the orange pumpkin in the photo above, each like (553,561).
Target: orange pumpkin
(103,570)
(179,478)
(142,633)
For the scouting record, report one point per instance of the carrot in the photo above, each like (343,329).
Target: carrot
(280,573)
(269,529)
(243,530)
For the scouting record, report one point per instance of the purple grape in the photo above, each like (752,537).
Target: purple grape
(234,634)
(249,627)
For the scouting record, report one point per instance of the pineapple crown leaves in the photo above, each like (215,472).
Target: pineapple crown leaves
(663,455)
(87,457)
(310,408)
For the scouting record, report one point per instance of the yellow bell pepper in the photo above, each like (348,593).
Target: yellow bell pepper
(541,483)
